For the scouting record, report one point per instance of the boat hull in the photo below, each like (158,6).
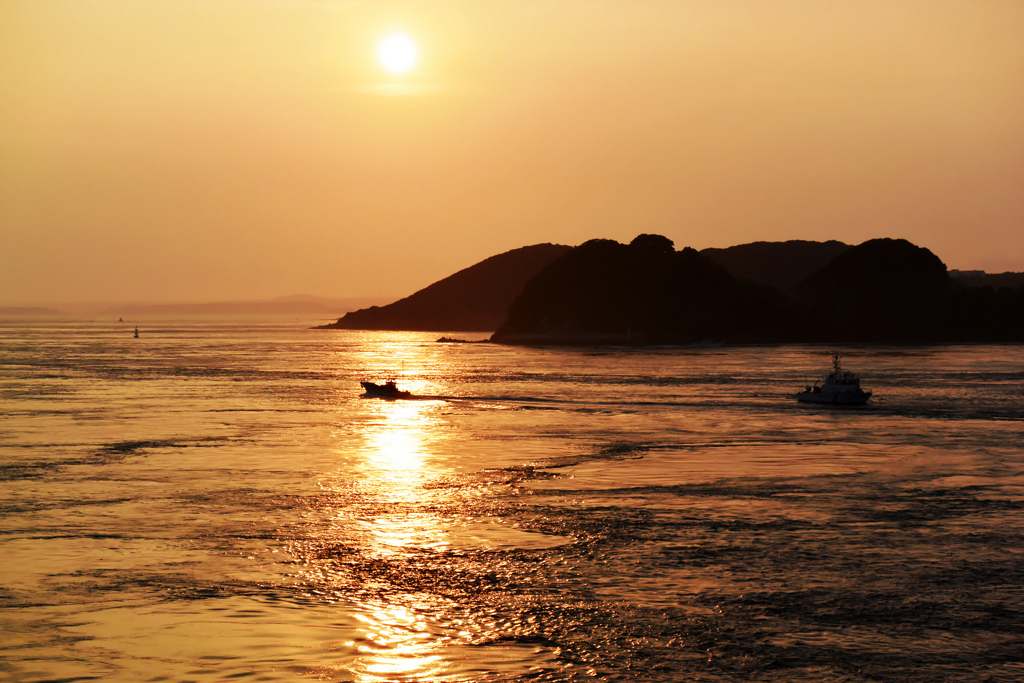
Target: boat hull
(834,398)
(384,391)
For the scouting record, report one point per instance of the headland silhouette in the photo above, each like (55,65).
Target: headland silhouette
(883,291)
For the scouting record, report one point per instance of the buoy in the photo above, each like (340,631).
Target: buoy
(136,333)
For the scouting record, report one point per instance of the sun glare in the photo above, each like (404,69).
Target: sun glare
(397,53)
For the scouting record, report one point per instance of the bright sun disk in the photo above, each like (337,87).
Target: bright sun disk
(397,53)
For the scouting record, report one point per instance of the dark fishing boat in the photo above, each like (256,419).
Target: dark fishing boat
(386,390)
(841,387)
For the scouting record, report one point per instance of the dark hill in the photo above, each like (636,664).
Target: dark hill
(883,290)
(979,278)
(475,299)
(987,306)
(644,292)
(776,264)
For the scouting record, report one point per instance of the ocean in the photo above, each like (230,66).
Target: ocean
(218,502)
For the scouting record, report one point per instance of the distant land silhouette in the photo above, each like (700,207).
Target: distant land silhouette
(979,278)
(884,290)
(647,292)
(777,264)
(784,264)
(644,292)
(881,291)
(475,299)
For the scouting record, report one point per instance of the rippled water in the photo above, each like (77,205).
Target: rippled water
(209,503)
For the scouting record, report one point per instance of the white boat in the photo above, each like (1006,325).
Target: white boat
(839,388)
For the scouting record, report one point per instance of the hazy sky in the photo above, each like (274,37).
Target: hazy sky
(199,150)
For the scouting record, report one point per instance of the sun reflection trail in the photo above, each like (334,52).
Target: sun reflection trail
(403,646)
(400,638)
(396,445)
(396,468)
(396,534)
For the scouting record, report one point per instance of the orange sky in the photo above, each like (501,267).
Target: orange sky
(200,150)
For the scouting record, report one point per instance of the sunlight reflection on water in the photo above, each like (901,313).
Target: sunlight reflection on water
(398,643)
(217,503)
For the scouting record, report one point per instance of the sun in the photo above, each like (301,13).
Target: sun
(397,53)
